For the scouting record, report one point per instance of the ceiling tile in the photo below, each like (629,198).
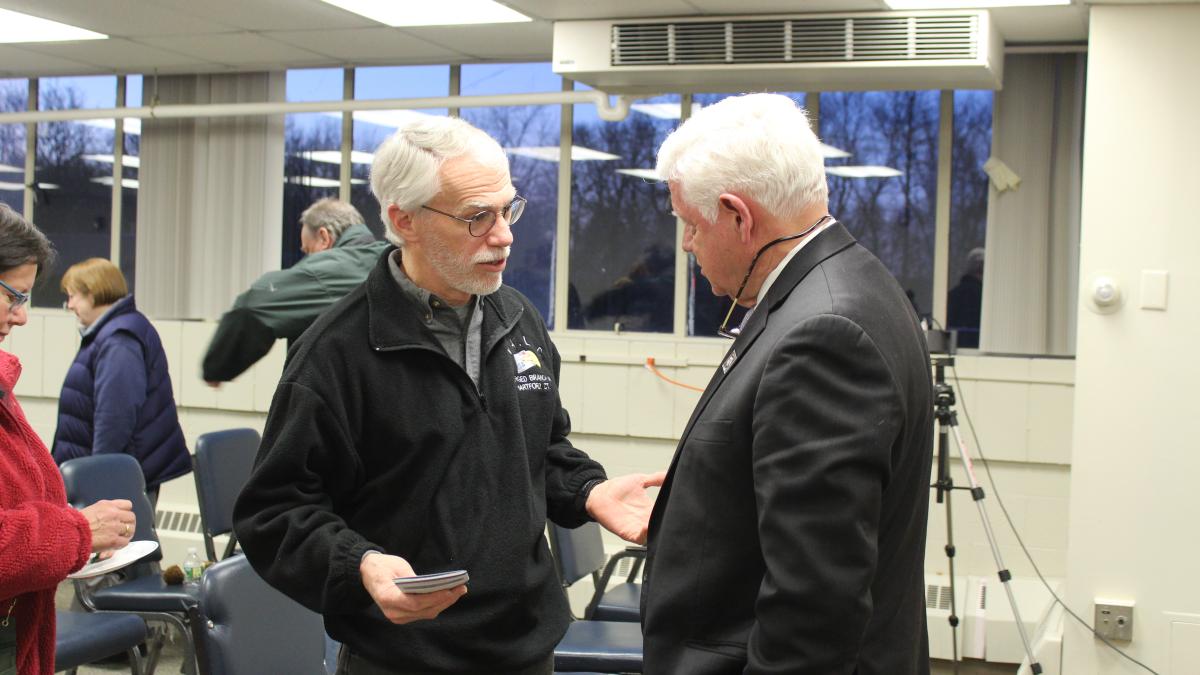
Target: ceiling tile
(601,9)
(116,55)
(521,41)
(235,49)
(367,45)
(20,62)
(272,15)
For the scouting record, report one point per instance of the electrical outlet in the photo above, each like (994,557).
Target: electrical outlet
(1114,619)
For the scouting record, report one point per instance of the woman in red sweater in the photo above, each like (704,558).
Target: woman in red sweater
(42,539)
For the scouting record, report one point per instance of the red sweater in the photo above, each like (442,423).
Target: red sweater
(42,540)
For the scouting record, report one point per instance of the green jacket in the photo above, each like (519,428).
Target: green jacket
(282,304)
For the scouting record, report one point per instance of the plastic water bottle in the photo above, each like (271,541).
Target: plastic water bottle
(192,567)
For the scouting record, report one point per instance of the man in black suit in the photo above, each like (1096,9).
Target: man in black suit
(789,536)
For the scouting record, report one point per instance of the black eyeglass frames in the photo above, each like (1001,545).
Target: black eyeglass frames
(18,298)
(481,223)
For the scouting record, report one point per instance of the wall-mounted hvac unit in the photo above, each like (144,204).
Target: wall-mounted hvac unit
(811,52)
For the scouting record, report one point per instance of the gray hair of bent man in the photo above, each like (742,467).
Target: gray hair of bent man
(22,242)
(332,214)
(759,146)
(406,169)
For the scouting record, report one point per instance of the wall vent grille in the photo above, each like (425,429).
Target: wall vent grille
(802,40)
(177,521)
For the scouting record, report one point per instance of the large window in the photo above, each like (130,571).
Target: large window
(312,146)
(622,236)
(968,213)
(73,195)
(372,127)
(884,188)
(129,180)
(13,95)
(530,134)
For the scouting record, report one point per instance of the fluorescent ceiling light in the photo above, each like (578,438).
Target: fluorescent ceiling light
(128,183)
(318,181)
(132,126)
(18,27)
(17,187)
(864,171)
(438,13)
(8,168)
(131,161)
(644,174)
(335,156)
(665,111)
(549,153)
(830,152)
(969,4)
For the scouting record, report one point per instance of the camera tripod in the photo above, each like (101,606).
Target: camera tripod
(947,419)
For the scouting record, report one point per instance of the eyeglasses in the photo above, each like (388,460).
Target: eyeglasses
(481,223)
(19,299)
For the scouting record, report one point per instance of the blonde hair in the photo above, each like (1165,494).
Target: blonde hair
(98,278)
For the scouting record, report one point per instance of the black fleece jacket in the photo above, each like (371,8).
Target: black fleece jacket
(377,439)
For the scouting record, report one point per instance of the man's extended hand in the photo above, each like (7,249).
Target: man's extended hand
(379,569)
(622,506)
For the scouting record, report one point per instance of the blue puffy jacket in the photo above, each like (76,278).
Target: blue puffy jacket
(117,397)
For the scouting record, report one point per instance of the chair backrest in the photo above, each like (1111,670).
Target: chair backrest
(222,466)
(244,627)
(578,552)
(116,476)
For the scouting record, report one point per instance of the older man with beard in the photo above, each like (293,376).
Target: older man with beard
(417,428)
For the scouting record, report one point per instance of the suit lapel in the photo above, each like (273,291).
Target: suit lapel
(827,243)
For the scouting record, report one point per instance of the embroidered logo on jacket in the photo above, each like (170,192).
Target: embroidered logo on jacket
(531,375)
(526,360)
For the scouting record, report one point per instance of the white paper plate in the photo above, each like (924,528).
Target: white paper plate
(133,552)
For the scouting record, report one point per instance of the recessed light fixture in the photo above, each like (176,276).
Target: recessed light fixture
(549,153)
(18,27)
(862,171)
(439,13)
(970,4)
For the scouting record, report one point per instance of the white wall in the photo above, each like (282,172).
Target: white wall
(629,419)
(1133,510)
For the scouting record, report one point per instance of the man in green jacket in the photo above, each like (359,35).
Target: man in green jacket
(340,252)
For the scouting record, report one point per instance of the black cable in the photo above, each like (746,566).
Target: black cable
(987,469)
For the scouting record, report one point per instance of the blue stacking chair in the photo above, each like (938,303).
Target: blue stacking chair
(85,637)
(142,591)
(221,467)
(242,626)
(606,640)
(580,553)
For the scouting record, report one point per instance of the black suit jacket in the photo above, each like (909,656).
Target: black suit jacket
(789,536)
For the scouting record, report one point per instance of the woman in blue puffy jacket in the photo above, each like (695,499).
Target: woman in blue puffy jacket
(117,396)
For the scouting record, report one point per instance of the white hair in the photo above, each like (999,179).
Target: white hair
(405,171)
(756,145)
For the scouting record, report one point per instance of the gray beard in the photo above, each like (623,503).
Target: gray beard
(459,273)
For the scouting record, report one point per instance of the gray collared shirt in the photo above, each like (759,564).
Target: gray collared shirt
(458,329)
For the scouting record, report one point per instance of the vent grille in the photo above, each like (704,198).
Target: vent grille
(816,40)
(937,596)
(177,521)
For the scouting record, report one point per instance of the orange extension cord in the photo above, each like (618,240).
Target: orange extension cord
(652,368)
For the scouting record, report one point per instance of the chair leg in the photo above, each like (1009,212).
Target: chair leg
(135,661)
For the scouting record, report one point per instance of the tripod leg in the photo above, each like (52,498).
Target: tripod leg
(953,604)
(978,495)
